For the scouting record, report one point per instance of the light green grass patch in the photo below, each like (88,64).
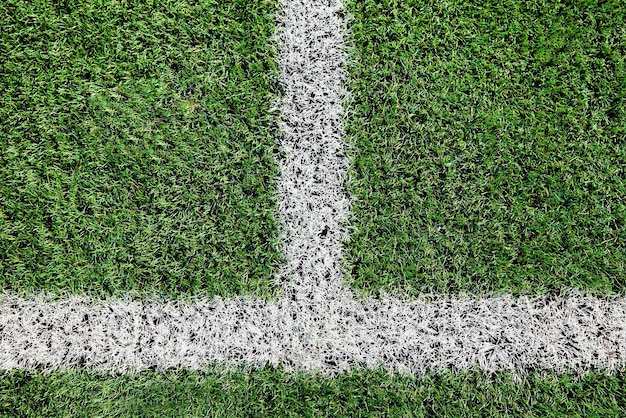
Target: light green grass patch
(271,392)
(137,147)
(489,146)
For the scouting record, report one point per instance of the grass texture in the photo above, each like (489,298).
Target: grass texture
(271,392)
(488,146)
(137,147)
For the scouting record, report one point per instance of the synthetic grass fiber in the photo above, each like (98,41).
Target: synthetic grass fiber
(488,150)
(271,392)
(137,147)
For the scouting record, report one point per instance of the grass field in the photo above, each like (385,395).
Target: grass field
(137,147)
(488,146)
(271,392)
(137,156)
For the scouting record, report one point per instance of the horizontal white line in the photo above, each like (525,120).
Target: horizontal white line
(570,332)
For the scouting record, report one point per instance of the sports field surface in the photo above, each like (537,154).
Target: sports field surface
(271,392)
(489,146)
(312,208)
(137,148)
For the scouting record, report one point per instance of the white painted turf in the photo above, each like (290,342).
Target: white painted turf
(500,333)
(318,324)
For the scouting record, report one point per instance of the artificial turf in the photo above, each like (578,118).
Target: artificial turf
(137,147)
(488,146)
(272,392)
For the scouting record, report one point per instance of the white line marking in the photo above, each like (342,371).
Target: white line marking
(501,333)
(319,325)
(313,202)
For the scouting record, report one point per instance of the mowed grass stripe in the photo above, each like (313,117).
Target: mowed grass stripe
(137,147)
(272,392)
(488,146)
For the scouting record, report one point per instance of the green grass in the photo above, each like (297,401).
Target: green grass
(137,147)
(489,146)
(271,392)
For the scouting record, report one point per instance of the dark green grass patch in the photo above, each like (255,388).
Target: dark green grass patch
(489,146)
(270,392)
(137,146)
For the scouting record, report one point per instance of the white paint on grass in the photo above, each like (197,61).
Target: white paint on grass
(313,201)
(500,333)
(318,325)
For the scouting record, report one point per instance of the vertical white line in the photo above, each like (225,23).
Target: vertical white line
(314,203)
